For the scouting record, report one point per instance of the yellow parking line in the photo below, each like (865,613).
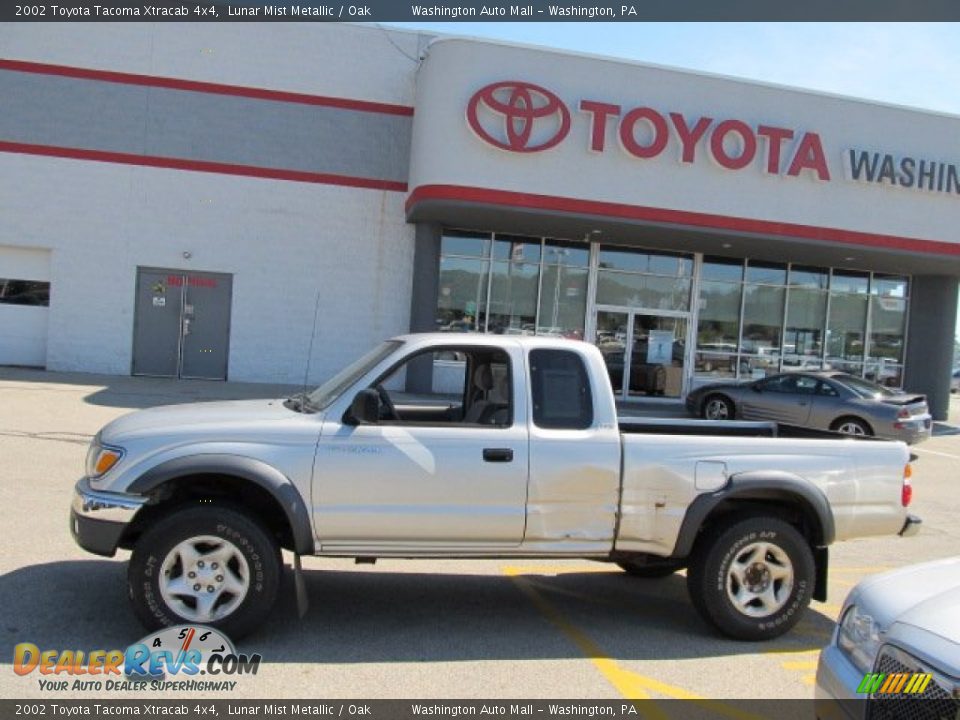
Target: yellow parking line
(809,679)
(631,685)
(559,569)
(827,607)
(791,651)
(799,665)
(607,667)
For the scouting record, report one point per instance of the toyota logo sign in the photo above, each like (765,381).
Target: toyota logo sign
(518,116)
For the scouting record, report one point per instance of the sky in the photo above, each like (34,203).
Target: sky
(913,64)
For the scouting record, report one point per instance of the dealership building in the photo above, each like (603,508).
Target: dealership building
(264,202)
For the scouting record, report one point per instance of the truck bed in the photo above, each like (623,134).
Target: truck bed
(724,428)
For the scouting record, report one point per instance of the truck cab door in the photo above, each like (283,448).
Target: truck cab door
(444,466)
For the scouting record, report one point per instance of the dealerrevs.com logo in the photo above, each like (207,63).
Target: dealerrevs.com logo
(518,116)
(180,658)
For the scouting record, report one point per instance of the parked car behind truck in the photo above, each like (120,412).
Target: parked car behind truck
(824,400)
(519,453)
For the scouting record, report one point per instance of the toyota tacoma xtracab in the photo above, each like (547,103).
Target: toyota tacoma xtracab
(433,446)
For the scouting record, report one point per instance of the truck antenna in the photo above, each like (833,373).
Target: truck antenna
(313,335)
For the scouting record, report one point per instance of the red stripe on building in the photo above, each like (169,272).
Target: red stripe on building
(204,87)
(527,201)
(202,166)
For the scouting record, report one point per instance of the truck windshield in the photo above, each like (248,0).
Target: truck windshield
(333,388)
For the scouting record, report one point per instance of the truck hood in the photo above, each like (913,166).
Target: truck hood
(169,419)
(925,595)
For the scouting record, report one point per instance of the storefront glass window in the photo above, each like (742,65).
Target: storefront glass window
(516,248)
(847,323)
(563,290)
(642,279)
(718,328)
(640,261)
(718,268)
(888,317)
(462,296)
(806,315)
(808,277)
(643,291)
(459,242)
(766,273)
(513,298)
(762,325)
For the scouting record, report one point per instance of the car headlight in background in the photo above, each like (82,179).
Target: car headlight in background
(100,458)
(859,638)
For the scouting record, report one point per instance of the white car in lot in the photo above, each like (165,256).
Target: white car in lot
(896,651)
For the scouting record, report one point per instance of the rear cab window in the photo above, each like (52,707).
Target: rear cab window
(560,387)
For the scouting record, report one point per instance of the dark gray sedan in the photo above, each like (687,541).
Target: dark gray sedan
(823,400)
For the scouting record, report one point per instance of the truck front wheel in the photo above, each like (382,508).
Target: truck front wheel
(210,565)
(752,578)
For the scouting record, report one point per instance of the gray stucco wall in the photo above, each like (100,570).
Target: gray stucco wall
(929,360)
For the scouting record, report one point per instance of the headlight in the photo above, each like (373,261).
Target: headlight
(859,638)
(100,458)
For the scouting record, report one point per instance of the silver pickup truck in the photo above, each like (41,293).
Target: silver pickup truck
(456,446)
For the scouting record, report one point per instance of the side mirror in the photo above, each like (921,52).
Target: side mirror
(365,408)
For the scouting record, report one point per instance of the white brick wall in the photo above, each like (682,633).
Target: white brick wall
(283,241)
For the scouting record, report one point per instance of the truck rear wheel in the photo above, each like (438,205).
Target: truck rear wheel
(209,565)
(752,578)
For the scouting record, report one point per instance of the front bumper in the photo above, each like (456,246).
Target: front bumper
(98,519)
(836,690)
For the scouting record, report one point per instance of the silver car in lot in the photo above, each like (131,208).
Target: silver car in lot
(896,651)
(822,400)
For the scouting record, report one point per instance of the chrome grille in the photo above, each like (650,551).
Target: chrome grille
(939,701)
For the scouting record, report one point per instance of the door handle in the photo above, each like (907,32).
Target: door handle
(498,454)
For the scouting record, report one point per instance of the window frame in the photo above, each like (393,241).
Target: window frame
(469,351)
(587,384)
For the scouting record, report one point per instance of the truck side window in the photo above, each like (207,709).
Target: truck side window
(465,385)
(561,390)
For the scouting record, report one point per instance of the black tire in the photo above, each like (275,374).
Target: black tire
(641,570)
(729,410)
(852,426)
(258,548)
(709,576)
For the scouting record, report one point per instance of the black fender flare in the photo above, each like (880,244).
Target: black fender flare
(764,485)
(256,471)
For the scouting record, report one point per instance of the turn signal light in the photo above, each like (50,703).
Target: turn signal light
(107,459)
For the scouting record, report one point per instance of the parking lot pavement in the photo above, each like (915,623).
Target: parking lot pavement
(412,629)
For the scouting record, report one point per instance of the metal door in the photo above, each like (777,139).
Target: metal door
(182,325)
(156,330)
(206,326)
